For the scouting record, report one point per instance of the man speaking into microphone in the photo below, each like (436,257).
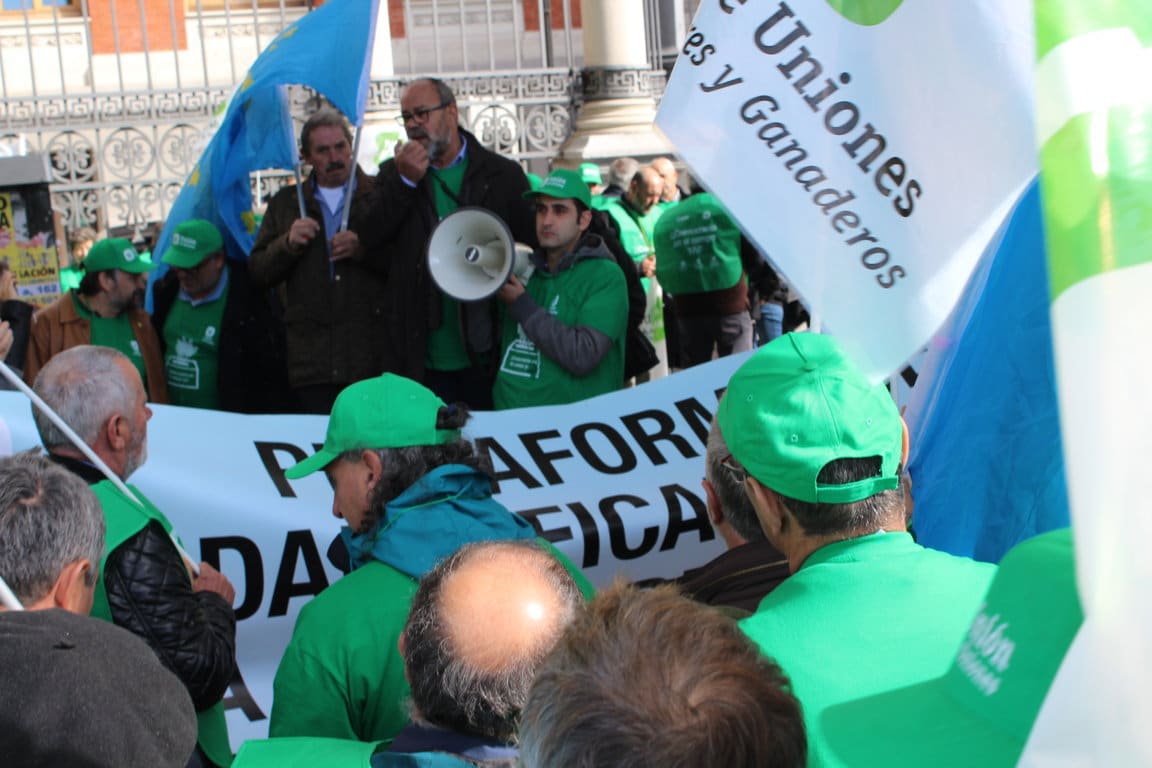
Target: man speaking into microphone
(333,287)
(449,346)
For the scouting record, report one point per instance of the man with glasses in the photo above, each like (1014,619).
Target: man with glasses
(103,311)
(223,347)
(333,289)
(450,347)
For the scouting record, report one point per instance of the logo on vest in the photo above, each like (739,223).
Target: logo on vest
(183,371)
(986,652)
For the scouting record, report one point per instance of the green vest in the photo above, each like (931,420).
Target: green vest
(635,230)
(192,352)
(699,247)
(123,520)
(305,752)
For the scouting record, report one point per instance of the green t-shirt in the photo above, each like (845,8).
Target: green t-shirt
(591,293)
(192,352)
(446,351)
(115,332)
(865,616)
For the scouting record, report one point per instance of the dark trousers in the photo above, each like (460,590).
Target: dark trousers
(470,386)
(724,334)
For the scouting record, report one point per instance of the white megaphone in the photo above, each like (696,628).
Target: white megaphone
(471,253)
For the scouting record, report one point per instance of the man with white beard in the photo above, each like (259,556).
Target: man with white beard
(145,586)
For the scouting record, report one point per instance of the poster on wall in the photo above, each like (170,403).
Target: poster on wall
(28,242)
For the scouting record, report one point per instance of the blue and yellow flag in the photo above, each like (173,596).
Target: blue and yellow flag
(328,50)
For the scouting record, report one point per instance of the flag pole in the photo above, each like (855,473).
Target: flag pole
(8,597)
(300,191)
(89,454)
(351,182)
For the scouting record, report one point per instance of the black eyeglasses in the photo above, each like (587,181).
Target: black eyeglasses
(420,114)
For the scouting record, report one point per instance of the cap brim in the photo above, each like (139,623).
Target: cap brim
(181,259)
(137,267)
(914,727)
(313,463)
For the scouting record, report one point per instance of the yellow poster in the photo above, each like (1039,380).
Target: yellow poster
(31,255)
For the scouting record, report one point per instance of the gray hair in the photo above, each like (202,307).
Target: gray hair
(48,519)
(645,678)
(401,467)
(729,486)
(621,171)
(448,689)
(855,518)
(85,386)
(325,117)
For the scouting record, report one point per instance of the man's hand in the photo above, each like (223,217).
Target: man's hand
(648,266)
(344,245)
(411,160)
(301,233)
(211,580)
(511,290)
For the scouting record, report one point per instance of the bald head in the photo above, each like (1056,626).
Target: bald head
(481,623)
(646,189)
(670,176)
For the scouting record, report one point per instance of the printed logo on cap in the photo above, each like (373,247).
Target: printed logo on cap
(129,254)
(183,241)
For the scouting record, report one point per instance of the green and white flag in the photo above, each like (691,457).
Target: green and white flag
(1094,121)
(871,148)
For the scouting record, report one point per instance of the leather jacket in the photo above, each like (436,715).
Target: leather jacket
(150,595)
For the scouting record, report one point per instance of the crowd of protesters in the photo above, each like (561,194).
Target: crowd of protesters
(457,636)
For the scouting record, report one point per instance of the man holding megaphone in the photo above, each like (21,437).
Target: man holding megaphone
(449,345)
(564,330)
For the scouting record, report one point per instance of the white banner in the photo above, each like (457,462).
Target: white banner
(613,481)
(870,149)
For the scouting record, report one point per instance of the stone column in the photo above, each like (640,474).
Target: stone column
(619,93)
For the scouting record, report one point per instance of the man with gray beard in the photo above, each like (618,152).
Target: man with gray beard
(449,346)
(146,586)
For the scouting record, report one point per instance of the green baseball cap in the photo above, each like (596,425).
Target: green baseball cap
(563,184)
(590,173)
(983,709)
(115,253)
(534,181)
(388,411)
(192,241)
(799,403)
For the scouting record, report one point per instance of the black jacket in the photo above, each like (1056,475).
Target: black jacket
(193,633)
(398,223)
(253,374)
(333,311)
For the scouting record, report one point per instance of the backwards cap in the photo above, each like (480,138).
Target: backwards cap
(799,403)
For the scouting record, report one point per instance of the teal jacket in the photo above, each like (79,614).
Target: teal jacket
(453,506)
